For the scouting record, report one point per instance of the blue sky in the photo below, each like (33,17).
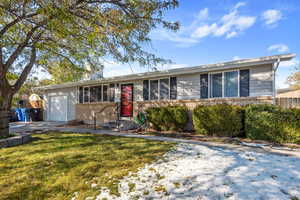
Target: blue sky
(222,30)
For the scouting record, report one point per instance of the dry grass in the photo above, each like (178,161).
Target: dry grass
(58,165)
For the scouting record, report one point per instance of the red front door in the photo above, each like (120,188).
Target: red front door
(126,100)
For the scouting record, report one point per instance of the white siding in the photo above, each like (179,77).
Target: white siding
(188,86)
(71,94)
(261,81)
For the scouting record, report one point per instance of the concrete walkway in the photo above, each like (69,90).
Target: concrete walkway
(53,126)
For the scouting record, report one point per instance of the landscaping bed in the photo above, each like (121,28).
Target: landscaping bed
(66,165)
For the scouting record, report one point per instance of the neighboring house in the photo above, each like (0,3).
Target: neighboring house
(288,93)
(238,82)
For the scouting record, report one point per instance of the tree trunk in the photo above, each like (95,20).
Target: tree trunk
(4,123)
(5,106)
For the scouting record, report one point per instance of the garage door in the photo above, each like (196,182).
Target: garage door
(58,108)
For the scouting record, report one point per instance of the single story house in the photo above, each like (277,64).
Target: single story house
(238,82)
(288,93)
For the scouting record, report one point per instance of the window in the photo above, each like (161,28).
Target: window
(204,86)
(164,88)
(244,82)
(111,92)
(173,88)
(216,85)
(98,93)
(105,92)
(80,95)
(153,89)
(86,91)
(93,94)
(231,84)
(146,90)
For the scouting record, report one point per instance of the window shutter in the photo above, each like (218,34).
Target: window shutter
(244,82)
(146,90)
(173,88)
(204,86)
(112,92)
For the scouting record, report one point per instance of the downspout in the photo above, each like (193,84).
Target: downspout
(275,67)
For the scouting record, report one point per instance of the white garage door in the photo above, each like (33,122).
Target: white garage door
(58,108)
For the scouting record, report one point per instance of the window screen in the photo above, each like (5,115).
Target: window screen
(93,95)
(98,93)
(112,92)
(86,91)
(80,95)
(164,88)
(146,90)
(105,93)
(154,89)
(231,84)
(216,85)
(204,86)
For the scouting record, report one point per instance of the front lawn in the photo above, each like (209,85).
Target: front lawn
(64,165)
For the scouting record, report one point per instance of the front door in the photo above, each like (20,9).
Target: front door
(126,100)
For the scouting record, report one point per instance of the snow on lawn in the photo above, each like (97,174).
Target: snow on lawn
(198,172)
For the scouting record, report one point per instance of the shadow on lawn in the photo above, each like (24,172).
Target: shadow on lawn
(56,165)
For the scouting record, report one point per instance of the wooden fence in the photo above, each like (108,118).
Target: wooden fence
(288,102)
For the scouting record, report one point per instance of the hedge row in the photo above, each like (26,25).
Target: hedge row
(258,122)
(171,118)
(272,123)
(219,120)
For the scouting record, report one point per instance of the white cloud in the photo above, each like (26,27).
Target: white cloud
(239,4)
(202,15)
(271,17)
(230,25)
(180,39)
(236,58)
(281,48)
(204,31)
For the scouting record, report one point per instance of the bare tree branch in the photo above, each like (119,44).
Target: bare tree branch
(19,49)
(26,71)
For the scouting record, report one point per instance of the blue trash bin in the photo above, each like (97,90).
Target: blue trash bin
(25,114)
(19,114)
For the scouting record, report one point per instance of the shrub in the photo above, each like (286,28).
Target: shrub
(219,120)
(168,118)
(272,123)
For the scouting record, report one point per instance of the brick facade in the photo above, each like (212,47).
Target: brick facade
(87,111)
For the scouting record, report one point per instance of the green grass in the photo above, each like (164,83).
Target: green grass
(56,165)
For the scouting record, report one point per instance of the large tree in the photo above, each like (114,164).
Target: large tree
(294,79)
(40,32)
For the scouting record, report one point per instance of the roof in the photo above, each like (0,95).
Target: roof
(179,71)
(283,90)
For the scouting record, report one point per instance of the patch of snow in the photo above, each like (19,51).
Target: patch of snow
(17,126)
(197,172)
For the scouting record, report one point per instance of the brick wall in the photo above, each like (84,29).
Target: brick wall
(87,111)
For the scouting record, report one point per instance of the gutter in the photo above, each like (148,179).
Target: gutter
(275,67)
